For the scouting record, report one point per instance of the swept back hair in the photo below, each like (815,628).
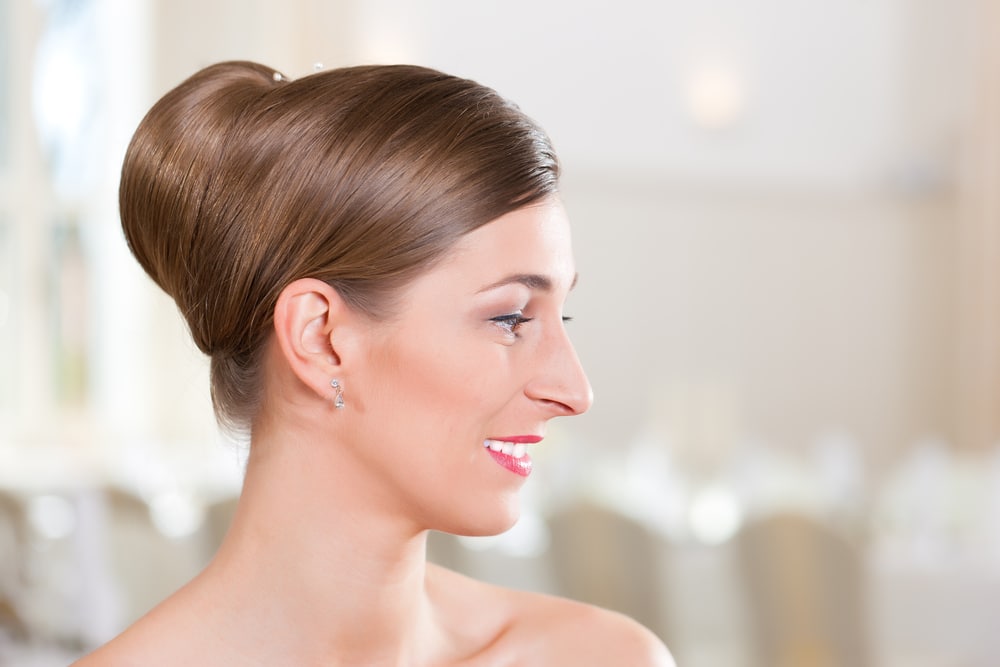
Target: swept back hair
(239,181)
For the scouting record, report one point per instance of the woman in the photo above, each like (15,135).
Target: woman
(375,259)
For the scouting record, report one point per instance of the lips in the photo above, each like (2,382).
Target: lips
(511,452)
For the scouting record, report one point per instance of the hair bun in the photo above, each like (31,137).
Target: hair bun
(167,181)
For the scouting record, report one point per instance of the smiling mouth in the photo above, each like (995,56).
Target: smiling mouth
(512,456)
(515,449)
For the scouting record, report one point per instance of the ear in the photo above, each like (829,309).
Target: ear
(306,318)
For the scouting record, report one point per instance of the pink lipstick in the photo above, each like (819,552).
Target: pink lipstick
(510,452)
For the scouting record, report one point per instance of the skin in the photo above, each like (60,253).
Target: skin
(325,561)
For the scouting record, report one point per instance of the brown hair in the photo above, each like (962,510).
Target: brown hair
(240,181)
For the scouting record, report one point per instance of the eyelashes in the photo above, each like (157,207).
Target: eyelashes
(511,322)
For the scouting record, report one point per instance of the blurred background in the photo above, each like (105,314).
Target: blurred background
(787,225)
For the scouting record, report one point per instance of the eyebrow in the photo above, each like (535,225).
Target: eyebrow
(535,281)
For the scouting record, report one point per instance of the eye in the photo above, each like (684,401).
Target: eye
(510,323)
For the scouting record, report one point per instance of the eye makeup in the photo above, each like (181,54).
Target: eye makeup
(511,322)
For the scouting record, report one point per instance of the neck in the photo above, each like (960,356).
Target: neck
(312,569)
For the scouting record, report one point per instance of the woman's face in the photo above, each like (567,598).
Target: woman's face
(456,390)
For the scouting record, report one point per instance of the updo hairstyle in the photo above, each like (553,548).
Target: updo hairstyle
(240,181)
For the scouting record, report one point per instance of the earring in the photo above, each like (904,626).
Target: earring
(338,400)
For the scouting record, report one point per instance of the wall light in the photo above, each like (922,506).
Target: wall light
(715,96)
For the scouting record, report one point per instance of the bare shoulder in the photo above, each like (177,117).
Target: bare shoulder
(586,636)
(152,640)
(540,629)
(116,653)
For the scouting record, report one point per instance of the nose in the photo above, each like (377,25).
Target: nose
(559,381)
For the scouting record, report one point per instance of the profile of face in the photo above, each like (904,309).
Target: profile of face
(420,207)
(457,387)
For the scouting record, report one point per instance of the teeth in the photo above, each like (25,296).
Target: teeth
(516,450)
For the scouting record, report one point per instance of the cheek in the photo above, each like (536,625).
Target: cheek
(449,377)
(447,374)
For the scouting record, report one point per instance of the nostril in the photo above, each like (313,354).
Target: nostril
(568,405)
(563,409)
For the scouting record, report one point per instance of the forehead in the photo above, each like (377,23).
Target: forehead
(534,239)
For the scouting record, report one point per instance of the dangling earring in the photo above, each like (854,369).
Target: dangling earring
(338,400)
